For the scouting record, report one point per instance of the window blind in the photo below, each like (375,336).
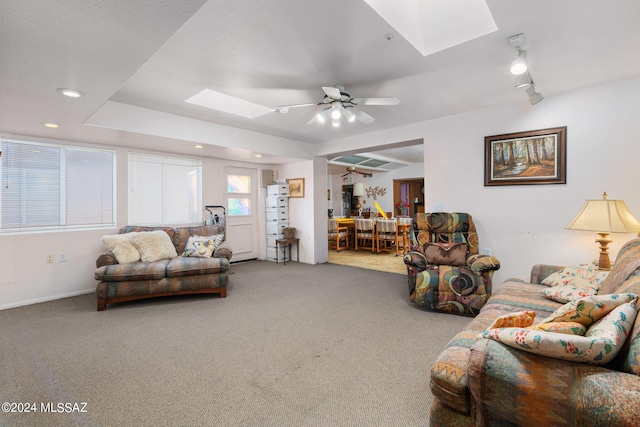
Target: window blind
(48,187)
(164,190)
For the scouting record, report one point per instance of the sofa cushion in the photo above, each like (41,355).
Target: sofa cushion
(134,271)
(577,275)
(190,266)
(627,262)
(154,246)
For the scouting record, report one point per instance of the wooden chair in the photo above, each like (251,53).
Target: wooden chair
(365,233)
(387,236)
(338,236)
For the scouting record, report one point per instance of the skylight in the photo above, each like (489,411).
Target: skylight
(228,104)
(435,25)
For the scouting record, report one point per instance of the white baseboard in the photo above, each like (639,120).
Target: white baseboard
(46,299)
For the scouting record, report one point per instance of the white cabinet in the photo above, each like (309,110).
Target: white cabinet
(277,218)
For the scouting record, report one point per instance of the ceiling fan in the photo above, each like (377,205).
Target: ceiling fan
(340,104)
(352,169)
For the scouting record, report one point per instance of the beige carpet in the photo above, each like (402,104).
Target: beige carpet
(383,261)
(294,345)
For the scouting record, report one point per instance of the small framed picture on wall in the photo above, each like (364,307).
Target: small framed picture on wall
(296,187)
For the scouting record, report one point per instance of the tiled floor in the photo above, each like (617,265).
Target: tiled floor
(384,261)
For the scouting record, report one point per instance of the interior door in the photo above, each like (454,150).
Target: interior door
(242,218)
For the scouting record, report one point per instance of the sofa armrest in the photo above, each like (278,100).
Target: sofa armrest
(223,250)
(479,263)
(511,386)
(416,260)
(106,258)
(539,272)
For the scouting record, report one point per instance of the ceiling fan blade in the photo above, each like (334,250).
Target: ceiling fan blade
(321,117)
(285,108)
(362,116)
(376,101)
(332,92)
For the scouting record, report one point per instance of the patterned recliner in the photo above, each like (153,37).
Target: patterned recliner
(462,288)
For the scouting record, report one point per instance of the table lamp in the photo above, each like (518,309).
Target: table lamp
(358,191)
(604,217)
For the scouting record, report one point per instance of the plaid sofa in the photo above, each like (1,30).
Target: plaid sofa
(482,382)
(180,275)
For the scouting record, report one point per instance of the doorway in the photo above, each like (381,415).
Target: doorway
(411,192)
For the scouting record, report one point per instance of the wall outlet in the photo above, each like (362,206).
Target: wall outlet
(486,251)
(50,259)
(438,206)
(62,257)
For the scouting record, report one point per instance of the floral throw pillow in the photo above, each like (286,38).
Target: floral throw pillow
(518,319)
(202,246)
(599,346)
(566,293)
(578,276)
(588,310)
(570,328)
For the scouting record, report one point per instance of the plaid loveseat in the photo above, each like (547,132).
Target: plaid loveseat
(482,382)
(179,275)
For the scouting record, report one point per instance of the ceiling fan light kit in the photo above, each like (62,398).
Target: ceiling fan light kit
(340,104)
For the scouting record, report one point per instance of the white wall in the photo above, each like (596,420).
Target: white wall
(524,225)
(26,278)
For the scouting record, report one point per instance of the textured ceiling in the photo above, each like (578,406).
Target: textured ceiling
(155,54)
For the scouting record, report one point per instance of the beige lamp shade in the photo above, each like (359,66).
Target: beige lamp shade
(610,216)
(604,217)
(358,189)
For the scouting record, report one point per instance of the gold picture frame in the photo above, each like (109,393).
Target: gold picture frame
(526,158)
(296,187)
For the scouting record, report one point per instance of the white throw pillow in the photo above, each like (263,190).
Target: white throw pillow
(154,245)
(112,240)
(126,253)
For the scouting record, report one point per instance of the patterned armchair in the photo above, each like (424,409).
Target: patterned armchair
(445,271)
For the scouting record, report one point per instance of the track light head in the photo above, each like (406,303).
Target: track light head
(519,65)
(523,80)
(534,97)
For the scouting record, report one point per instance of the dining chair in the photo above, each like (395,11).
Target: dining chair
(365,236)
(337,236)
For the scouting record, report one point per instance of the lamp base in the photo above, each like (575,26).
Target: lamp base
(604,263)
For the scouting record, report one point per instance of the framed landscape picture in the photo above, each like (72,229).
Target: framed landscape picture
(525,158)
(296,187)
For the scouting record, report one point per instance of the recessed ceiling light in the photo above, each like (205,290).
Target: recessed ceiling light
(71,93)
(198,146)
(51,125)
(257,155)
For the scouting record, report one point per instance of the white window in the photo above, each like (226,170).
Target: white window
(47,187)
(239,195)
(164,190)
